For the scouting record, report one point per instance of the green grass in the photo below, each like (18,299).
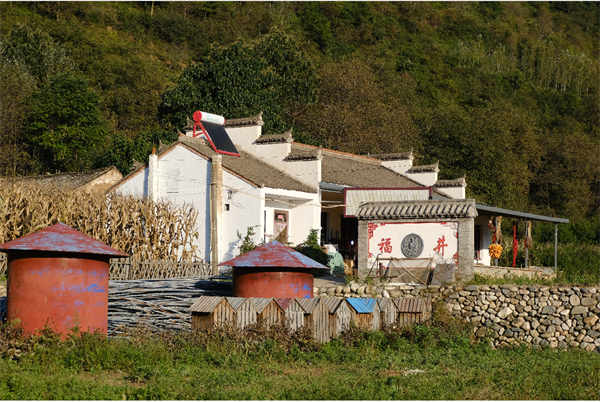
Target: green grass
(358,365)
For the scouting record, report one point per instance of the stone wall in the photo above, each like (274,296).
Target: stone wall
(558,316)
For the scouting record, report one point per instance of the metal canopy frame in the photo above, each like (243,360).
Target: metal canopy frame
(524,215)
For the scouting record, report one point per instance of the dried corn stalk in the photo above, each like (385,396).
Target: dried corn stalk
(146,230)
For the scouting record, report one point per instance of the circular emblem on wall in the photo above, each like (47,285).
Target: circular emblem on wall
(412,245)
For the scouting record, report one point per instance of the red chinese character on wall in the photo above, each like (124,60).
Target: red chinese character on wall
(441,245)
(385,246)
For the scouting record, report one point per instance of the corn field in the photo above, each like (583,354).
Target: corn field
(145,230)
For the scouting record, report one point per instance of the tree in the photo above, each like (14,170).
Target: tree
(16,84)
(37,51)
(242,80)
(355,112)
(66,128)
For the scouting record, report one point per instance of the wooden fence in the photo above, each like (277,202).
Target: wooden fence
(126,269)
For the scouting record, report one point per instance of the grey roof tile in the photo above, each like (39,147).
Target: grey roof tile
(418,209)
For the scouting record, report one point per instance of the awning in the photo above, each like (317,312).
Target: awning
(516,214)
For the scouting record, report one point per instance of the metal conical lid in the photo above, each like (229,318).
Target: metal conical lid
(60,238)
(273,254)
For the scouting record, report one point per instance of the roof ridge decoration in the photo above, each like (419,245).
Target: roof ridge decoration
(425,168)
(245,121)
(275,138)
(304,155)
(348,155)
(136,165)
(162,147)
(393,157)
(460,182)
(418,209)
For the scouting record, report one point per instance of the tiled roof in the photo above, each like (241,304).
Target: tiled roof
(418,209)
(394,157)
(250,168)
(424,168)
(71,179)
(275,138)
(245,121)
(357,171)
(245,166)
(460,182)
(298,154)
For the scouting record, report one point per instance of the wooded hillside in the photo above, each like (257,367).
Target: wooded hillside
(505,93)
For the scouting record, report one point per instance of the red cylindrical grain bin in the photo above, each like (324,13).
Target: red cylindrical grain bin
(273,270)
(58,276)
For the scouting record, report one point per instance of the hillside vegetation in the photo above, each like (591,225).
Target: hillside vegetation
(505,93)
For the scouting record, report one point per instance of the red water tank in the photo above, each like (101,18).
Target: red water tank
(273,270)
(58,276)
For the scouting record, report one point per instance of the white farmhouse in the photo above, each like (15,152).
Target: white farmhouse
(283,189)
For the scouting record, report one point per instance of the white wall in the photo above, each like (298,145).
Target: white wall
(184,177)
(426,178)
(453,192)
(398,166)
(431,233)
(245,210)
(304,214)
(244,136)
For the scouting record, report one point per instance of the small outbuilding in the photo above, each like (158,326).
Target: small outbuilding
(294,313)
(245,312)
(316,317)
(211,311)
(412,310)
(268,311)
(339,316)
(389,311)
(364,312)
(273,270)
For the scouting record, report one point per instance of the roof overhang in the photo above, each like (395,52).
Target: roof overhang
(486,209)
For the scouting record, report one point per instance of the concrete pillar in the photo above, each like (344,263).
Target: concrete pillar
(153,176)
(216,210)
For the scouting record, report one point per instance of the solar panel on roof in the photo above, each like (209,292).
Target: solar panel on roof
(218,138)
